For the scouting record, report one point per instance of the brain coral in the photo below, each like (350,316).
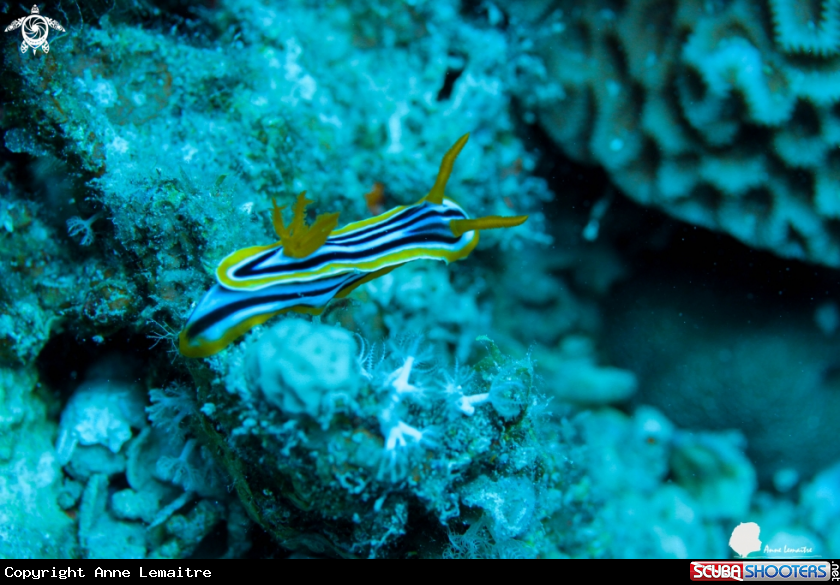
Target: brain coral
(722,113)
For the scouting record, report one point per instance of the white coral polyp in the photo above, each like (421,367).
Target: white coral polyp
(400,434)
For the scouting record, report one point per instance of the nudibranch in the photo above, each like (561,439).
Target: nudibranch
(311,265)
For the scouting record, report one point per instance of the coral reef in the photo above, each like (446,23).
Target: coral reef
(673,493)
(723,114)
(151,142)
(384,448)
(180,152)
(138,491)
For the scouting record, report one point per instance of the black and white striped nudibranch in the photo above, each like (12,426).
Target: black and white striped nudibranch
(311,265)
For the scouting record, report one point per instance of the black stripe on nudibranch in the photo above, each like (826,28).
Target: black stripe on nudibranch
(427,222)
(391,223)
(397,222)
(250,269)
(294,294)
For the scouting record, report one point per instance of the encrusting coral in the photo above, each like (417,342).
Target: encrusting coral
(340,447)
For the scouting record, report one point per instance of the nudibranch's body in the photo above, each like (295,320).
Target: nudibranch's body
(415,232)
(224,314)
(311,265)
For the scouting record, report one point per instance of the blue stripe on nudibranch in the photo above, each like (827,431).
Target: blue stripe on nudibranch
(319,264)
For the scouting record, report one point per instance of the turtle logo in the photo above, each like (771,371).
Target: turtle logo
(35,29)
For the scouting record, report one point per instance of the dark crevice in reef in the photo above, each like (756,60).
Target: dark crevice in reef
(66,360)
(214,545)
(716,260)
(449,80)
(655,244)
(263,545)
